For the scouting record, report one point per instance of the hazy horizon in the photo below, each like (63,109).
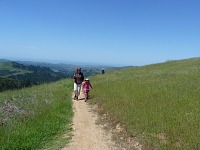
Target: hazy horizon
(113,32)
(61,62)
(83,63)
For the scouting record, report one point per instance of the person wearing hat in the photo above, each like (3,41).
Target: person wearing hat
(78,79)
(86,88)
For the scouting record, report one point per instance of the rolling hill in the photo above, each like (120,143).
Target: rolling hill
(26,73)
(156,104)
(14,75)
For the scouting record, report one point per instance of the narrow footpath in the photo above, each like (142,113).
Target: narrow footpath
(88,135)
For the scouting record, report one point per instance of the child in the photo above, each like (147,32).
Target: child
(86,88)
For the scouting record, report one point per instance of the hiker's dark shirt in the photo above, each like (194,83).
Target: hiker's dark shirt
(78,77)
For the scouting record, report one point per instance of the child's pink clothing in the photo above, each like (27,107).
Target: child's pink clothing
(87,85)
(86,88)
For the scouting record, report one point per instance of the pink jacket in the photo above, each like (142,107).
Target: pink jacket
(87,85)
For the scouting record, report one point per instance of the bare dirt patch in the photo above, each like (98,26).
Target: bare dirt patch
(90,132)
(88,135)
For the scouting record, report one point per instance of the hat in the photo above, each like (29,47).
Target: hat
(87,79)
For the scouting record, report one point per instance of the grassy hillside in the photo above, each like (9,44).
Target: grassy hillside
(6,69)
(26,76)
(32,117)
(159,104)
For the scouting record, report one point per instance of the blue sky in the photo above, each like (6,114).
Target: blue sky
(114,32)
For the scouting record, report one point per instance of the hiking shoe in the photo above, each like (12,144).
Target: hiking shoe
(75,97)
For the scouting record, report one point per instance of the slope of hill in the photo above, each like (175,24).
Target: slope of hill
(7,69)
(4,60)
(25,75)
(157,104)
(88,70)
(32,117)
(67,68)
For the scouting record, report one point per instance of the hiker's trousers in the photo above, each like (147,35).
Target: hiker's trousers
(77,88)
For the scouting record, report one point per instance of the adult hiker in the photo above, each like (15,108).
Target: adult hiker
(78,79)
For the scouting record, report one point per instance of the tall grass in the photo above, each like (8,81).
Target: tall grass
(159,104)
(31,117)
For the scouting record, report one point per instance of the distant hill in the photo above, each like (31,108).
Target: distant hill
(4,60)
(15,75)
(57,67)
(27,73)
(69,69)
(7,69)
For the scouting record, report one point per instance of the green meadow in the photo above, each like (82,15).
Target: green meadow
(159,104)
(32,117)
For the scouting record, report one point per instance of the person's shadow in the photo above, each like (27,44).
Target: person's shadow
(81,98)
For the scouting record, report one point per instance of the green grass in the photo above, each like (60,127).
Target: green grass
(32,117)
(159,104)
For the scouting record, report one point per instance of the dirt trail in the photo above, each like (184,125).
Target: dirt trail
(87,134)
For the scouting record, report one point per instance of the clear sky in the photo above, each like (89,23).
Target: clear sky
(115,32)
